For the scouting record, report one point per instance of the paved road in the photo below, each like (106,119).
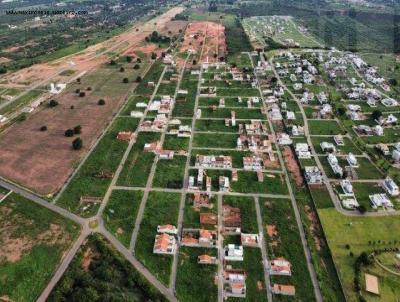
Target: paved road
(307,253)
(149,183)
(64,264)
(42,202)
(263,249)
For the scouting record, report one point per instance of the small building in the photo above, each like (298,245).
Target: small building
(390,187)
(302,151)
(281,289)
(125,136)
(224,185)
(313,175)
(352,160)
(206,259)
(168,229)
(252,240)
(380,200)
(252,163)
(235,176)
(201,200)
(233,252)
(164,244)
(327,147)
(208,218)
(279,266)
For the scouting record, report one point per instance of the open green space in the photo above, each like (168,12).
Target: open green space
(288,245)
(172,142)
(105,157)
(195,282)
(161,208)
(247,212)
(191,217)
(39,238)
(323,127)
(120,214)
(169,173)
(348,237)
(138,164)
(213,126)
(226,113)
(214,140)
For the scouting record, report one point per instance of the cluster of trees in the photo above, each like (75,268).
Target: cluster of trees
(109,278)
(155,37)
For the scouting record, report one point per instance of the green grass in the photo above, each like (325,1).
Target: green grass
(237,156)
(348,145)
(214,126)
(195,282)
(248,183)
(191,218)
(22,219)
(138,164)
(243,92)
(247,212)
(161,208)
(152,75)
(120,214)
(321,127)
(214,140)
(21,101)
(226,113)
(131,105)
(361,234)
(280,213)
(105,157)
(173,142)
(169,173)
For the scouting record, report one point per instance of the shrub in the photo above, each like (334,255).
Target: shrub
(89,88)
(77,129)
(77,91)
(77,144)
(125,80)
(122,69)
(129,59)
(153,56)
(138,79)
(137,66)
(69,132)
(82,94)
(101,102)
(43,128)
(53,103)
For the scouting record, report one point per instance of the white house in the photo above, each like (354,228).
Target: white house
(233,252)
(390,187)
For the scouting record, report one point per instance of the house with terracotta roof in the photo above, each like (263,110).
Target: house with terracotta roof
(279,266)
(206,259)
(252,163)
(168,229)
(281,289)
(208,218)
(201,200)
(125,136)
(164,244)
(212,161)
(252,240)
(199,237)
(234,283)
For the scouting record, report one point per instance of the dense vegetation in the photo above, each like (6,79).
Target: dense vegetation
(99,273)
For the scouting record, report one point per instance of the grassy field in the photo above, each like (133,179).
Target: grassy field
(152,75)
(226,113)
(214,140)
(169,173)
(99,272)
(161,208)
(280,214)
(191,217)
(105,157)
(138,164)
(195,282)
(120,214)
(321,127)
(214,126)
(34,251)
(21,101)
(247,211)
(360,234)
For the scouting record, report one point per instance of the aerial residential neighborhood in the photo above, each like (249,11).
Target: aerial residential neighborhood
(199,150)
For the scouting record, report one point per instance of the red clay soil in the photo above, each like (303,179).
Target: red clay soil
(211,34)
(42,161)
(292,165)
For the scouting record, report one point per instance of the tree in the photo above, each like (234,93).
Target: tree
(138,60)
(77,144)
(393,82)
(128,59)
(43,128)
(341,111)
(78,80)
(194,62)
(69,133)
(362,209)
(77,91)
(101,102)
(125,80)
(137,66)
(138,79)
(78,129)
(53,103)
(82,94)
(112,62)
(3,70)
(122,69)
(153,56)
(376,114)
(89,88)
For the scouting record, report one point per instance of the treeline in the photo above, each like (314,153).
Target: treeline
(236,38)
(155,37)
(99,273)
